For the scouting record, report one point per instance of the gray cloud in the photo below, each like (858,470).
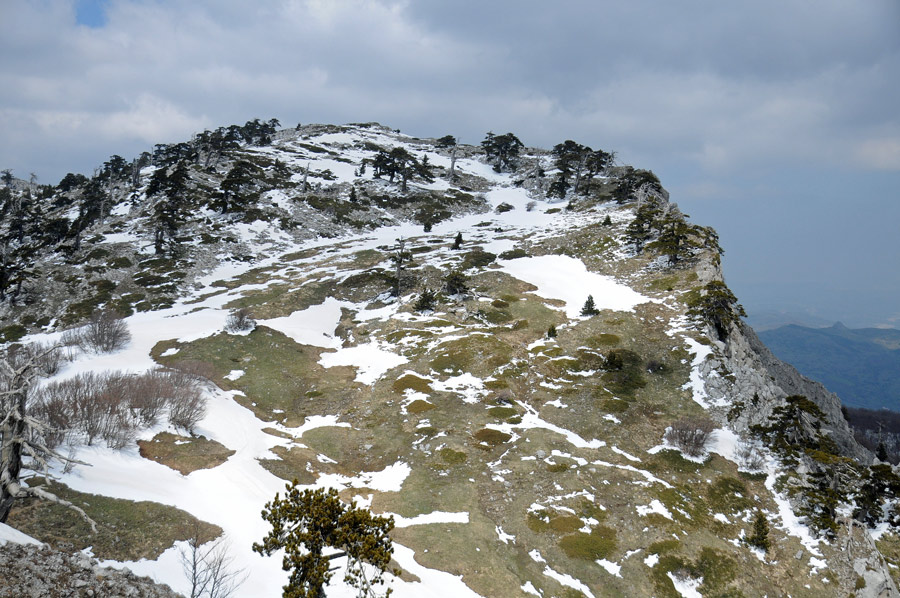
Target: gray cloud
(713,96)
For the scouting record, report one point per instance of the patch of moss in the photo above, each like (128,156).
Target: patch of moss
(614,406)
(669,460)
(662,547)
(452,457)
(565,524)
(478,259)
(538,521)
(603,340)
(12,333)
(599,544)
(419,406)
(513,254)
(502,412)
(491,437)
(120,262)
(410,381)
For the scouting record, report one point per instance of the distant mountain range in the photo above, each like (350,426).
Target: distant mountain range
(862,366)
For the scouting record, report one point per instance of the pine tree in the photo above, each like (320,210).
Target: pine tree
(717,306)
(426,300)
(455,283)
(305,523)
(881,452)
(760,536)
(551,332)
(589,309)
(457,242)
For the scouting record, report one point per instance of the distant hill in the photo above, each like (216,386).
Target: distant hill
(862,366)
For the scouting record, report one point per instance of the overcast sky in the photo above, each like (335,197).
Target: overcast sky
(776,122)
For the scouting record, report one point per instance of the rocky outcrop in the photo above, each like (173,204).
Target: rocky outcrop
(28,571)
(760,381)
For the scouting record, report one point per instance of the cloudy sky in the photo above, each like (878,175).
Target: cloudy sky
(777,122)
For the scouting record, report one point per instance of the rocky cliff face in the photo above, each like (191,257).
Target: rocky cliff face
(30,571)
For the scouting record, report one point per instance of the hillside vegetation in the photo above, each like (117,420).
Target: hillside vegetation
(529,358)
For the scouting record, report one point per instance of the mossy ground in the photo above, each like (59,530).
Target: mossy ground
(126,530)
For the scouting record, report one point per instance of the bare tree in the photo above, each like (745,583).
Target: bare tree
(21,434)
(209,567)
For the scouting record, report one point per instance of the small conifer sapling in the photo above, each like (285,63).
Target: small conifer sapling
(589,309)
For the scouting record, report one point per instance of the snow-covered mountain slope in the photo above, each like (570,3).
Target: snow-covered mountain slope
(523,445)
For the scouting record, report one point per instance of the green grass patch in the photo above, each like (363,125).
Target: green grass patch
(728,495)
(280,374)
(668,460)
(126,530)
(479,355)
(614,405)
(889,547)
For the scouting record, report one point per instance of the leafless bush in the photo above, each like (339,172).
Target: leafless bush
(187,405)
(691,434)
(106,332)
(749,458)
(113,406)
(48,358)
(239,321)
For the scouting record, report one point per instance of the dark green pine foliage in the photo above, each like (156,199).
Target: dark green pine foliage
(793,427)
(881,452)
(170,209)
(399,162)
(502,150)
(760,536)
(551,332)
(456,283)
(879,485)
(589,308)
(238,187)
(677,239)
(718,307)
(307,522)
(642,229)
(426,301)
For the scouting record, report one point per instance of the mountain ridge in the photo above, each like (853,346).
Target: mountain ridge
(466,419)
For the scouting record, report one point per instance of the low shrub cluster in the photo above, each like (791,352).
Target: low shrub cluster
(114,406)
(104,333)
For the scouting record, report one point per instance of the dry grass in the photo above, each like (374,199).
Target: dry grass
(183,453)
